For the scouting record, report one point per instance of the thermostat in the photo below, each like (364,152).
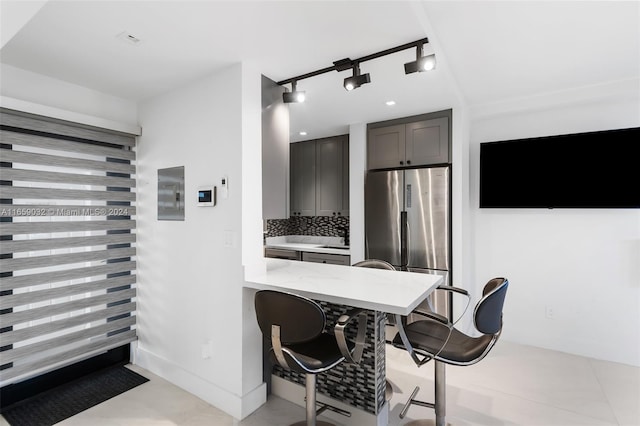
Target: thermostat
(207,196)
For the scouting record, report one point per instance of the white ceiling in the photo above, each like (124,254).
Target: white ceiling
(487,51)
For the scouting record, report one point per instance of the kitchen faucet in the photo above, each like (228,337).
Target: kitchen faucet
(344,234)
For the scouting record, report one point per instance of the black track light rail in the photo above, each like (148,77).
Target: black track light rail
(339,65)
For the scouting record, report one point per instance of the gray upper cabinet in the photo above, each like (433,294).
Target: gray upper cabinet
(331,176)
(418,143)
(320,177)
(427,142)
(385,147)
(303,179)
(345,177)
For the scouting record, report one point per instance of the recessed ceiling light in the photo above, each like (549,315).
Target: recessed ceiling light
(303,133)
(390,103)
(129,38)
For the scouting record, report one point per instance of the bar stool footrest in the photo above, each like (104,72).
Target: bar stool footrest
(413,401)
(324,407)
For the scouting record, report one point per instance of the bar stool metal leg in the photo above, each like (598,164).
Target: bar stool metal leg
(440,396)
(310,388)
(310,405)
(440,403)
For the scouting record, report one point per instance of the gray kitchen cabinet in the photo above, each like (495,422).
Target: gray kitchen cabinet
(334,259)
(320,177)
(417,143)
(385,147)
(332,171)
(345,177)
(303,179)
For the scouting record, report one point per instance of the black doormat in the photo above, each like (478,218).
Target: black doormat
(55,405)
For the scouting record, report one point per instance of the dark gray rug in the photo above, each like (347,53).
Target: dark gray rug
(55,405)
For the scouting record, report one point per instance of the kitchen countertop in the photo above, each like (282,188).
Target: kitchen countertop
(381,290)
(308,244)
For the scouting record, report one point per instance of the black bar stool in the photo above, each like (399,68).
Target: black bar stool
(295,327)
(435,338)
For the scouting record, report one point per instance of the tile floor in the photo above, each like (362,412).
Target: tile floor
(514,385)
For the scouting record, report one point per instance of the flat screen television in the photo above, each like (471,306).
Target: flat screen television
(581,170)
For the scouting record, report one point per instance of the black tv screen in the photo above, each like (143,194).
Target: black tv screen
(581,170)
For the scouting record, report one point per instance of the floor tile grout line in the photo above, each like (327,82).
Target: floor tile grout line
(603,390)
(529,400)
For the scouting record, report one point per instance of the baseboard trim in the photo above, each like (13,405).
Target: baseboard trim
(236,406)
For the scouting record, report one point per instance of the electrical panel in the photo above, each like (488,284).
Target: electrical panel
(171,193)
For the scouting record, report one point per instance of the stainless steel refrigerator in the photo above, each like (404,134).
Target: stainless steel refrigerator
(407,223)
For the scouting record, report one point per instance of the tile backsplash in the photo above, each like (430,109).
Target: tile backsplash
(320,226)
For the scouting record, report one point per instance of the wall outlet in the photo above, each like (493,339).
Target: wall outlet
(207,349)
(549,312)
(229,238)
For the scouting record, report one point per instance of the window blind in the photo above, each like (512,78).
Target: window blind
(67,243)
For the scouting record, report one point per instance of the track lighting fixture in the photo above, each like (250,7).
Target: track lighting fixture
(357,79)
(294,96)
(422,63)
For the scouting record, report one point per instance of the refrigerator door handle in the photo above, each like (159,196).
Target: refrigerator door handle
(408,243)
(404,223)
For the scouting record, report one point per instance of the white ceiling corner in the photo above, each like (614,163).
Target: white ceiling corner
(488,52)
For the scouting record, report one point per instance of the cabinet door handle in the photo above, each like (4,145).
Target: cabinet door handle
(334,213)
(338,213)
(402,162)
(408,161)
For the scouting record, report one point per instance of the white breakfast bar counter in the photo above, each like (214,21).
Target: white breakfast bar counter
(392,292)
(338,288)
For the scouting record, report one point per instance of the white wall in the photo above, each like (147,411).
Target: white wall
(253,389)
(83,104)
(583,263)
(190,272)
(357,173)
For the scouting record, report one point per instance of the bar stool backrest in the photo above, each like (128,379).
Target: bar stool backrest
(488,313)
(375,263)
(300,319)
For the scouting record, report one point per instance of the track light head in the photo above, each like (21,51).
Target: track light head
(357,79)
(425,63)
(294,96)
(422,63)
